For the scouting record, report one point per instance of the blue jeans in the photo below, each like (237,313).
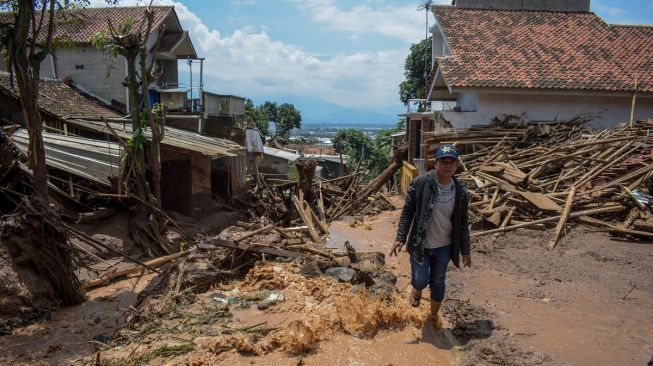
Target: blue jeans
(432,271)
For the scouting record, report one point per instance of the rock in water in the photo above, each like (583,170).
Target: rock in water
(343,274)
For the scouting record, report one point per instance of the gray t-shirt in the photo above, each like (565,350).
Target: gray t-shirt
(440,226)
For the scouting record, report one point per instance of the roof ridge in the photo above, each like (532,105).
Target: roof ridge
(632,25)
(512,10)
(126,7)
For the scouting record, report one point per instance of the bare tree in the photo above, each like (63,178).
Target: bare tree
(129,40)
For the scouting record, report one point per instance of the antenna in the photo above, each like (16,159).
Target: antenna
(427,7)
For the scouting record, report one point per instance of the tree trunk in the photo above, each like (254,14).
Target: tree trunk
(395,165)
(26,69)
(306,170)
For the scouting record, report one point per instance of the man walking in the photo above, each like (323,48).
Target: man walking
(435,222)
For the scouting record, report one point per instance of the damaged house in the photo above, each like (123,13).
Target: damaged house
(84,157)
(532,61)
(96,72)
(538,61)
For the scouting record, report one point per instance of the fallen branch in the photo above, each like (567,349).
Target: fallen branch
(129,270)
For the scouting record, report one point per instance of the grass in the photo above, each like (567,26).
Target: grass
(162,352)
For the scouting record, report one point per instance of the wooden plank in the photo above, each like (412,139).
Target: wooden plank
(506,221)
(252,233)
(324,229)
(253,248)
(616,208)
(306,218)
(563,219)
(134,269)
(320,205)
(613,228)
(540,200)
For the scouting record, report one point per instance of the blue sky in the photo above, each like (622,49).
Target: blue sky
(344,52)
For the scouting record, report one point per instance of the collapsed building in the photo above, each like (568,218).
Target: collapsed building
(83,154)
(530,61)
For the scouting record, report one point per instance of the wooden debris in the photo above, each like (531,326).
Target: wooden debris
(135,269)
(531,169)
(563,218)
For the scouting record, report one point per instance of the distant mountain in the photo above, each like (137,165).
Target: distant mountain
(316,111)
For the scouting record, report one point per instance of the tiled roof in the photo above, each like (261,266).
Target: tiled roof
(80,25)
(169,40)
(61,100)
(544,50)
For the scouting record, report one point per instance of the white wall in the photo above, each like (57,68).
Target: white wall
(93,76)
(606,111)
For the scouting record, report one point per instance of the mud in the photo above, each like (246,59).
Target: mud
(567,306)
(587,302)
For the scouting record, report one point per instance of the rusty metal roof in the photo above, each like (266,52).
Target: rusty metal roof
(174,138)
(90,159)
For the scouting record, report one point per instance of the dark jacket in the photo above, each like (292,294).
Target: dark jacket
(415,217)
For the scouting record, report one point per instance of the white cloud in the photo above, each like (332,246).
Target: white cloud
(401,22)
(250,63)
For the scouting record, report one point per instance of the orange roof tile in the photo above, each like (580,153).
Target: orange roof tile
(61,100)
(543,50)
(78,26)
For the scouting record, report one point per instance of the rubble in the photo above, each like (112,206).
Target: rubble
(529,175)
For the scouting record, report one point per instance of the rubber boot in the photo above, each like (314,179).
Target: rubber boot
(437,319)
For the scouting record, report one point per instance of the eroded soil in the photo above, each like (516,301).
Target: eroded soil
(586,302)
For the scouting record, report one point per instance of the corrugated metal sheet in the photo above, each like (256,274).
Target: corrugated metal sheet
(287,155)
(91,159)
(175,138)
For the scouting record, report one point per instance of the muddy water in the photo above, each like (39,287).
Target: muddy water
(566,305)
(68,336)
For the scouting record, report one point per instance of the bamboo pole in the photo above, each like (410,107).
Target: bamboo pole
(563,219)
(551,219)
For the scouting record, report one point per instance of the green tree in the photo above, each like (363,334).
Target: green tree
(351,142)
(284,116)
(416,72)
(288,118)
(256,115)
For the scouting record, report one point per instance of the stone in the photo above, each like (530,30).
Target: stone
(199,274)
(343,274)
(377,258)
(325,264)
(102,338)
(311,269)
(342,261)
(383,291)
(386,277)
(368,267)
(364,278)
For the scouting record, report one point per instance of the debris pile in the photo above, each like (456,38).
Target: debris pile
(539,175)
(205,324)
(312,204)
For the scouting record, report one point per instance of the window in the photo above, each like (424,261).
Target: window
(79,67)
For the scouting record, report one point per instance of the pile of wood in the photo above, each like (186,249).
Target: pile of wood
(540,175)
(313,204)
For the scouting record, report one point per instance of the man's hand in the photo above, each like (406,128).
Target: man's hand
(467,260)
(396,248)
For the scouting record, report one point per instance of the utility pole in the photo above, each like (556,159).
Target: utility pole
(426,6)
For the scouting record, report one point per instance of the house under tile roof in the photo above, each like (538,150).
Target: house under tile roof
(555,50)
(78,26)
(61,100)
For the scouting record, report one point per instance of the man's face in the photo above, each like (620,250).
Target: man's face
(446,166)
